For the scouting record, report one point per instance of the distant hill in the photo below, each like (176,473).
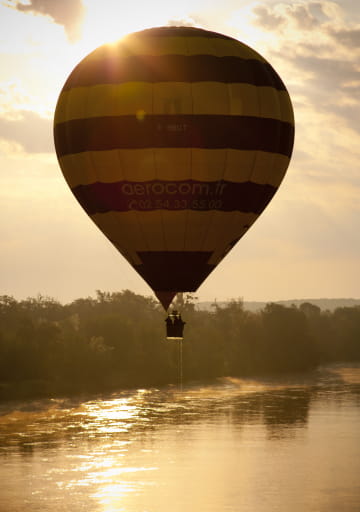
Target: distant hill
(324,304)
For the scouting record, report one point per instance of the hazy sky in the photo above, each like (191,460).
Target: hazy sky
(307,242)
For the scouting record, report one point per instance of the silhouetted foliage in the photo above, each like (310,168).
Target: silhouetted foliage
(118,340)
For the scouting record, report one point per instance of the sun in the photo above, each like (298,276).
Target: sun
(110,20)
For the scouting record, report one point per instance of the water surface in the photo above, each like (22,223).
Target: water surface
(289,444)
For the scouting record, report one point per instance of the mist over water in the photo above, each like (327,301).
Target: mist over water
(252,445)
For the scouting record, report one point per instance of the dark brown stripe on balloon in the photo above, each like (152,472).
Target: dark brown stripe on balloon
(181,32)
(174,270)
(173,68)
(174,131)
(124,196)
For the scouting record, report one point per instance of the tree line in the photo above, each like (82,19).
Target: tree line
(117,340)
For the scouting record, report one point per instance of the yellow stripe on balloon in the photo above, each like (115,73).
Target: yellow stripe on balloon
(181,231)
(141,99)
(185,45)
(123,229)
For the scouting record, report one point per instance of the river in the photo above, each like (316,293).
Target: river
(287,444)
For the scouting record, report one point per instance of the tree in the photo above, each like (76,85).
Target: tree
(287,342)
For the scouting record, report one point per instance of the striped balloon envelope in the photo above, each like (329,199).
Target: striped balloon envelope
(174,140)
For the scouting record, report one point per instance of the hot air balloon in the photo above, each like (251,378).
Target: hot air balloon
(174,140)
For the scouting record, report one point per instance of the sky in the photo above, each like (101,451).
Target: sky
(305,245)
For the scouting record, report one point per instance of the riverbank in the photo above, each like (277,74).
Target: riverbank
(117,341)
(37,389)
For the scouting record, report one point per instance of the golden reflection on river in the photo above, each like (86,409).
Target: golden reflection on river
(233,445)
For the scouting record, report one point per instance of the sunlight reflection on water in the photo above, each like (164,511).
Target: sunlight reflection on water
(233,445)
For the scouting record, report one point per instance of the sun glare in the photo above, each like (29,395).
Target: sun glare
(108,21)
(243,23)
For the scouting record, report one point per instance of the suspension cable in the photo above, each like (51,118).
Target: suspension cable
(180,363)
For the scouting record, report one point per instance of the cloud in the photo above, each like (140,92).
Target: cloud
(347,37)
(267,18)
(304,16)
(351,113)
(182,22)
(13,97)
(319,49)
(335,72)
(325,19)
(68,13)
(31,131)
(329,85)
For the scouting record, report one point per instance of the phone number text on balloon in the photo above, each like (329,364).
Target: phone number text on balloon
(175,204)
